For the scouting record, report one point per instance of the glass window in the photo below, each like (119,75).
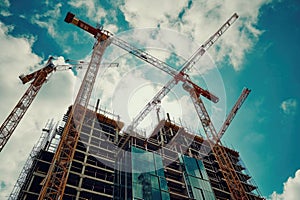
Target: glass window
(156,194)
(135,177)
(159,165)
(136,150)
(202,169)
(137,190)
(208,195)
(191,166)
(142,161)
(148,176)
(198,194)
(165,196)
(154,182)
(180,158)
(195,182)
(163,184)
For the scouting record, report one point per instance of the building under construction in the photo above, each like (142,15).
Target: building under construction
(90,155)
(170,164)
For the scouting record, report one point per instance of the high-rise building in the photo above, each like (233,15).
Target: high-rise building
(171,163)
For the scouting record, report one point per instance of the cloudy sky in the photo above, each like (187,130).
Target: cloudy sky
(259,52)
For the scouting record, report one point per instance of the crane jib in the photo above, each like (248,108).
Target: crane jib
(187,66)
(203,48)
(103,34)
(38,78)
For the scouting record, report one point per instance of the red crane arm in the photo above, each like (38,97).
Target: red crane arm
(200,91)
(233,112)
(38,78)
(234,184)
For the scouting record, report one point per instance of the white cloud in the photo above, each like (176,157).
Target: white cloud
(5,13)
(52,101)
(199,20)
(48,19)
(5,3)
(291,189)
(4,8)
(92,9)
(143,13)
(289,106)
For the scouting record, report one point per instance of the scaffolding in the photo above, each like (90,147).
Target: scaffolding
(30,163)
(100,169)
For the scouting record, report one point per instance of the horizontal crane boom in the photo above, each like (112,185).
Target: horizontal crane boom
(233,112)
(104,34)
(181,76)
(101,35)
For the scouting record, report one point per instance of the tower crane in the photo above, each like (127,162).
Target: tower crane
(183,77)
(38,78)
(234,184)
(56,179)
(55,182)
(228,171)
(177,76)
(100,33)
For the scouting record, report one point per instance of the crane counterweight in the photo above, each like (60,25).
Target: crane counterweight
(99,34)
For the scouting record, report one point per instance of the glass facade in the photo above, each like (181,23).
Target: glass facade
(149,181)
(141,175)
(196,178)
(148,178)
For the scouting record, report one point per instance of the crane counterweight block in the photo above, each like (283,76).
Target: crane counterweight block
(49,67)
(99,34)
(69,17)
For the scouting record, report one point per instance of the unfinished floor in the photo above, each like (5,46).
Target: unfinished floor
(170,164)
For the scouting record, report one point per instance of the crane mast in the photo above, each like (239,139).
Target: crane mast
(38,78)
(234,184)
(181,76)
(56,179)
(233,112)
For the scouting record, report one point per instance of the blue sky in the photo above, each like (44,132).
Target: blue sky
(260,52)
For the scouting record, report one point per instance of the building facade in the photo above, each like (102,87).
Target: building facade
(170,164)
